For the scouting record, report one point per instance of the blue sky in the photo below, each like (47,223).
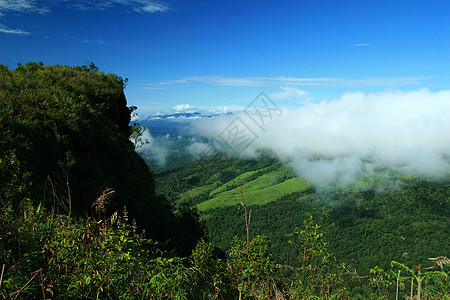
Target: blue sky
(214,53)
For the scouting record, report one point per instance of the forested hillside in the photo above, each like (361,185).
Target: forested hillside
(68,128)
(378,219)
(65,150)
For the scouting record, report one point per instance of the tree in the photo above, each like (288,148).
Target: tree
(137,135)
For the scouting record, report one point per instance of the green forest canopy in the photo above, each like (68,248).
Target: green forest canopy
(380,218)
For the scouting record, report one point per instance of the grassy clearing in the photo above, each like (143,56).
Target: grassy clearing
(260,191)
(237,181)
(195,192)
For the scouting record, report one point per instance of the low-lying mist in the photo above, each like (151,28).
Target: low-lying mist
(339,141)
(156,148)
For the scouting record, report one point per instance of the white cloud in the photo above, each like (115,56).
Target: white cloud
(222,109)
(22,6)
(196,149)
(220,80)
(32,6)
(153,88)
(36,7)
(155,150)
(171,82)
(16,5)
(292,94)
(184,108)
(7,30)
(340,140)
(142,6)
(360,45)
(154,8)
(19,6)
(93,42)
(299,81)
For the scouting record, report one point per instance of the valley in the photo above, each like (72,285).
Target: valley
(370,223)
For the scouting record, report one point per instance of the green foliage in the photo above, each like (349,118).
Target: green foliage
(316,272)
(401,281)
(378,219)
(251,269)
(66,121)
(137,130)
(14,188)
(97,260)
(257,192)
(430,284)
(217,172)
(106,258)
(65,138)
(382,282)
(363,227)
(209,277)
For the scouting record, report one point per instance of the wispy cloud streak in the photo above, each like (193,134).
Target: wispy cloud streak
(36,7)
(299,81)
(19,6)
(22,6)
(142,6)
(7,30)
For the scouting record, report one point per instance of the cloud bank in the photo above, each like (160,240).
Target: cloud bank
(355,135)
(156,150)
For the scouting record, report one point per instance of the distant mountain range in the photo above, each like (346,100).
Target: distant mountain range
(170,136)
(192,115)
(177,123)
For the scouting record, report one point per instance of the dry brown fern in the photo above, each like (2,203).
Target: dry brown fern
(102,201)
(439,261)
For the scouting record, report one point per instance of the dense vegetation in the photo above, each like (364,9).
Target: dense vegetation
(383,218)
(75,199)
(68,129)
(64,140)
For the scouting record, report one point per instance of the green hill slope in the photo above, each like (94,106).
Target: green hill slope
(68,129)
(256,192)
(218,182)
(380,218)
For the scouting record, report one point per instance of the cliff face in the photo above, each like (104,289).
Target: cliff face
(68,127)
